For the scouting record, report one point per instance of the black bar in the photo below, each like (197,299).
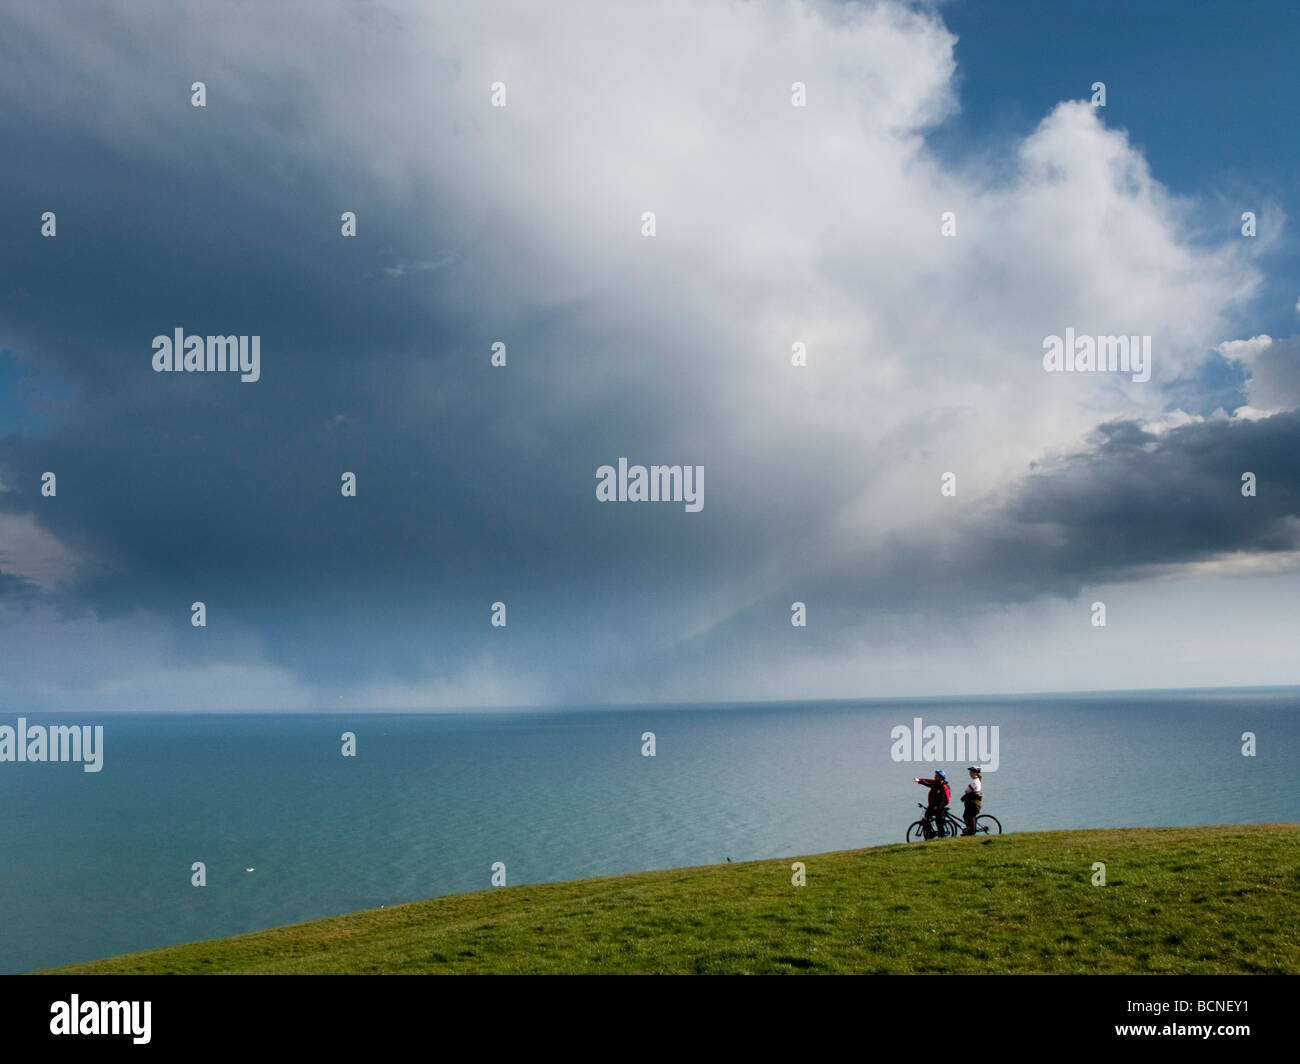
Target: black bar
(612,1016)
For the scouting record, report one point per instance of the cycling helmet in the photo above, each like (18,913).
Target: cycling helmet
(940,774)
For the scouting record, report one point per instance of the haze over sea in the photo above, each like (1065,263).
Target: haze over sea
(95,864)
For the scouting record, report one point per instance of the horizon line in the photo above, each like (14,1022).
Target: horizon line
(708,704)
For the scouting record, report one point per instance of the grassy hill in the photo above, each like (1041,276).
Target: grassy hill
(1209,899)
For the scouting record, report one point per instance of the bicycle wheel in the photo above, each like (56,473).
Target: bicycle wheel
(955,827)
(916,831)
(988,824)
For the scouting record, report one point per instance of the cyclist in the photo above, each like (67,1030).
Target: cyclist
(971,799)
(939,798)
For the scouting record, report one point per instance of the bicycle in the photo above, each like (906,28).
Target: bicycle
(923,829)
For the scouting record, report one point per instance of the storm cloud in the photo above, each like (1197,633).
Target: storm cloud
(522,224)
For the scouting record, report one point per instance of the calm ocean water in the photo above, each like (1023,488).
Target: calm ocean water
(94,864)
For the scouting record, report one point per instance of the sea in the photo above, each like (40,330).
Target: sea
(94,864)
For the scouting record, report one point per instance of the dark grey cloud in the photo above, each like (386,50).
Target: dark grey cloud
(474,484)
(1135,499)
(1130,503)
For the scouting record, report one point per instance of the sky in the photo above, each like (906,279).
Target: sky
(775,225)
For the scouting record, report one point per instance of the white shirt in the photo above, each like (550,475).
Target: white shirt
(976,786)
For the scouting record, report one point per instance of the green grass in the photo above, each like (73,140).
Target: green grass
(1202,900)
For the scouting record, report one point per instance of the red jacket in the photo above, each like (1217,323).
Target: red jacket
(939,793)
